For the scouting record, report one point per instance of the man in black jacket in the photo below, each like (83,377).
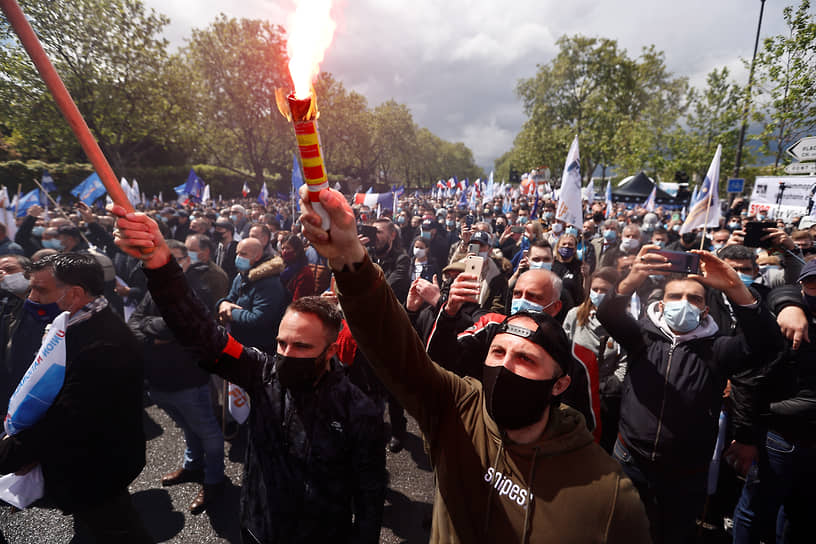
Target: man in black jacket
(673,388)
(90,443)
(776,428)
(315,465)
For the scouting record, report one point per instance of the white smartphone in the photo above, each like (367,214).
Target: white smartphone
(474,265)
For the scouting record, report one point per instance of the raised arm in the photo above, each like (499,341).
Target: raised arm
(377,320)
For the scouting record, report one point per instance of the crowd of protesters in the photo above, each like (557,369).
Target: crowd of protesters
(701,387)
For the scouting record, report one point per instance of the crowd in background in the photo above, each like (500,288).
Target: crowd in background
(247,262)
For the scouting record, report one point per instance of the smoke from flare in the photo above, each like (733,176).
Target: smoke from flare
(311,30)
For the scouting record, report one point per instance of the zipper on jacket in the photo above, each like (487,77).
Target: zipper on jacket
(663,402)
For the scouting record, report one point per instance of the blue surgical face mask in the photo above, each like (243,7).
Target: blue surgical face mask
(401,220)
(242,263)
(676,228)
(717,247)
(746,279)
(571,230)
(450,223)
(522,304)
(234,218)
(733,225)
(681,315)
(596,298)
(53,243)
(193,256)
(610,235)
(548,215)
(540,265)
(38,230)
(658,243)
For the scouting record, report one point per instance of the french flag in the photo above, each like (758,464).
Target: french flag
(386,200)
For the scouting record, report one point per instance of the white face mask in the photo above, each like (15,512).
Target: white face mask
(419,252)
(557,228)
(15,283)
(629,244)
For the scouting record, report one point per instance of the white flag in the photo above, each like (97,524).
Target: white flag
(569,208)
(206,195)
(708,199)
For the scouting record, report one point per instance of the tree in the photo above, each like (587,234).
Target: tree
(114,64)
(236,65)
(714,115)
(394,139)
(786,83)
(346,130)
(620,108)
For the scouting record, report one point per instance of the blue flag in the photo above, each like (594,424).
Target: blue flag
(90,189)
(297,179)
(193,187)
(181,189)
(263,196)
(29,199)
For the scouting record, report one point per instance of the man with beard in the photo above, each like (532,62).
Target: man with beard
(315,466)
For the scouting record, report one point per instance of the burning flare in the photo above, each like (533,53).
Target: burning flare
(311,30)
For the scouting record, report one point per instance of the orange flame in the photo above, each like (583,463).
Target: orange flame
(311,30)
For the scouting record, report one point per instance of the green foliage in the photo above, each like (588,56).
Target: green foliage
(235,67)
(786,83)
(111,59)
(621,108)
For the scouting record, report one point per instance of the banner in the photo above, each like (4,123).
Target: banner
(796,194)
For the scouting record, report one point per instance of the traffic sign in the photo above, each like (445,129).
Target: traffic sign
(801,168)
(804,149)
(736,185)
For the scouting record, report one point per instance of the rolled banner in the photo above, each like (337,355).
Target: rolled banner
(42,381)
(303,114)
(238,403)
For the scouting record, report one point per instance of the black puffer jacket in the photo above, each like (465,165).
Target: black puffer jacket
(314,458)
(672,392)
(781,396)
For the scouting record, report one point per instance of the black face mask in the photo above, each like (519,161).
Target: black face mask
(298,372)
(810,302)
(597,217)
(515,402)
(688,237)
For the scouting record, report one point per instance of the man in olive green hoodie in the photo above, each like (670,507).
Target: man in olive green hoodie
(511,465)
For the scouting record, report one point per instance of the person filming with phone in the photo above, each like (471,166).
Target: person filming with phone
(678,368)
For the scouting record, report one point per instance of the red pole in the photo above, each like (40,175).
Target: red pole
(64,101)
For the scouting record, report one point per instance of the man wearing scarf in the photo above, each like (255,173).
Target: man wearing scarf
(89,443)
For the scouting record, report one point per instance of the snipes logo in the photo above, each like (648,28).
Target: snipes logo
(506,487)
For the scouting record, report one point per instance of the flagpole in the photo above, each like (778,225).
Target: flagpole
(708,208)
(60,210)
(19,194)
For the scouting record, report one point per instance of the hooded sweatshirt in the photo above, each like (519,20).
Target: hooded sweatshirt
(561,488)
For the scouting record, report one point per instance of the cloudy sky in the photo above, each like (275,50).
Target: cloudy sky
(456,63)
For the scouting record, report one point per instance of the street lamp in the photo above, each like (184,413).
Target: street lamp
(748,95)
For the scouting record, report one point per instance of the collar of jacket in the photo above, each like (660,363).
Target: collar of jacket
(267,267)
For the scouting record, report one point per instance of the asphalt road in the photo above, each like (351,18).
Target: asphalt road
(406,519)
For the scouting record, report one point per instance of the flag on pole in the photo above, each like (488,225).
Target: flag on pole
(245,190)
(569,207)
(29,199)
(650,201)
(386,200)
(193,187)
(136,193)
(705,211)
(609,199)
(48,182)
(263,196)
(90,189)
(205,196)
